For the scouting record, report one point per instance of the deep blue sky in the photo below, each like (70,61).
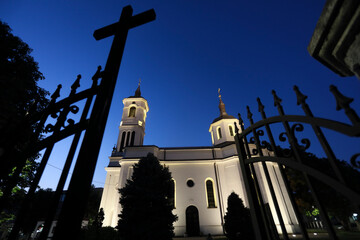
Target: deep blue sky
(247,48)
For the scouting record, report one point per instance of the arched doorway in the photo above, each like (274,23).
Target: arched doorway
(192,221)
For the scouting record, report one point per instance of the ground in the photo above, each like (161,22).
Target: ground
(320,236)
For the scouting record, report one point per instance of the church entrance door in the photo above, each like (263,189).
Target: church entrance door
(192,221)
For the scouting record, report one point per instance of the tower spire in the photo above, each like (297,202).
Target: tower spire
(138,92)
(221,105)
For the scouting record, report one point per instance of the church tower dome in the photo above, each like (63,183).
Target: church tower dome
(132,125)
(222,129)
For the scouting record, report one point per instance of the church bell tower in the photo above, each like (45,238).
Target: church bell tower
(132,125)
(222,129)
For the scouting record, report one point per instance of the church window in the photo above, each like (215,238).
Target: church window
(231,130)
(172,194)
(210,194)
(122,143)
(219,133)
(132,112)
(127,139)
(132,138)
(190,183)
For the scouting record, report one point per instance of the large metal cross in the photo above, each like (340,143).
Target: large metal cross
(73,209)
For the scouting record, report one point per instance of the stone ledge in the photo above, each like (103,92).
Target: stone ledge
(336,39)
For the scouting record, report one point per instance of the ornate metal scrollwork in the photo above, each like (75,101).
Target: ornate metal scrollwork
(49,128)
(286,152)
(254,151)
(355,163)
(260,132)
(73,109)
(266,145)
(299,128)
(61,118)
(283,137)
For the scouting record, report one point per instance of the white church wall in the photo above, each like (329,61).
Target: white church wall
(110,196)
(283,198)
(291,224)
(231,181)
(209,218)
(180,154)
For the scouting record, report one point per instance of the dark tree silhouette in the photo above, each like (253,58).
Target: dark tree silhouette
(98,221)
(19,93)
(95,231)
(237,219)
(146,205)
(338,206)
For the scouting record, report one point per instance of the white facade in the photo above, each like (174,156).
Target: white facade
(214,171)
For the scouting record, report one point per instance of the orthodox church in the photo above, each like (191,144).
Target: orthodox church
(203,177)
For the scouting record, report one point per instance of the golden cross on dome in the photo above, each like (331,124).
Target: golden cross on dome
(219,93)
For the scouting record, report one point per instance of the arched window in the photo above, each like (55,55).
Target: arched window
(210,194)
(132,112)
(172,193)
(127,139)
(132,138)
(219,133)
(122,143)
(231,130)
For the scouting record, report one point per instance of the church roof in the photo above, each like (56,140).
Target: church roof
(137,92)
(223,114)
(223,117)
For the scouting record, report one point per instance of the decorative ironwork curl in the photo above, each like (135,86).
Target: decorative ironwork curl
(260,132)
(252,140)
(70,122)
(266,145)
(299,128)
(49,128)
(283,137)
(355,163)
(74,109)
(255,151)
(54,114)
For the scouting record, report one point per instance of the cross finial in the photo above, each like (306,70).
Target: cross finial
(139,82)
(219,93)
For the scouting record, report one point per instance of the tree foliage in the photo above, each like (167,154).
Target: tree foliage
(237,219)
(146,205)
(338,206)
(95,231)
(19,93)
(19,75)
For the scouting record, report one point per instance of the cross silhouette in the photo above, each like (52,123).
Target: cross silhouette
(72,212)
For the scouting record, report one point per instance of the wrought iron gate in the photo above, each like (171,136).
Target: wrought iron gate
(292,158)
(73,208)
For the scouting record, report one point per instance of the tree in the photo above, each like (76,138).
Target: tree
(98,221)
(337,206)
(19,93)
(146,204)
(93,203)
(237,219)
(94,229)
